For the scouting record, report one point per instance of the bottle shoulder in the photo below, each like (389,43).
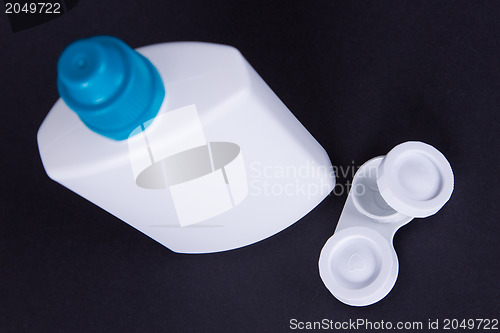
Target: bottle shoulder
(198,73)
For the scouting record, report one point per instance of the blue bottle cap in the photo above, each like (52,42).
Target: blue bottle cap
(111,87)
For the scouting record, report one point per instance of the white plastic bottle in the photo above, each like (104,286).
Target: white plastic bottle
(184,141)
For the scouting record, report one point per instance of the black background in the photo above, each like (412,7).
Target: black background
(361,77)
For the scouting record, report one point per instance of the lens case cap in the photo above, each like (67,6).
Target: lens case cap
(415,179)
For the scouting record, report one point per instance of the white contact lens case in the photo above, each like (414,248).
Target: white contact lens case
(358,264)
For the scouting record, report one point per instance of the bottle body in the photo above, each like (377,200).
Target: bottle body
(279,171)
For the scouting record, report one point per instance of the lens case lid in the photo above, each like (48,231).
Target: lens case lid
(415,179)
(358,266)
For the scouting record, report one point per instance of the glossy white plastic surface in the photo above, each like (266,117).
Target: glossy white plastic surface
(358,264)
(224,164)
(415,179)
